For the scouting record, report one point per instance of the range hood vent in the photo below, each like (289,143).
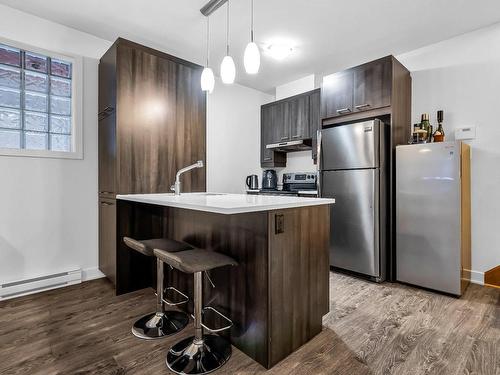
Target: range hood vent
(291,146)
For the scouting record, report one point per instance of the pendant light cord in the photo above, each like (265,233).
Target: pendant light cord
(227,29)
(251,17)
(208,39)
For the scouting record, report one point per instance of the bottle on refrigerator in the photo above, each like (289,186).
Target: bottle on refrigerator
(425,125)
(439,133)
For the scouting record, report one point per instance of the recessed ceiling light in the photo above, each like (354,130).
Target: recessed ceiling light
(279,51)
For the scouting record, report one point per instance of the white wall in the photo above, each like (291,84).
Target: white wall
(298,86)
(233,136)
(462,77)
(48,207)
(296,161)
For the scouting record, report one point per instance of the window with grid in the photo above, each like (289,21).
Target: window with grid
(35,101)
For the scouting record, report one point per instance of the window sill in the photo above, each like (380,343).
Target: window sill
(41,154)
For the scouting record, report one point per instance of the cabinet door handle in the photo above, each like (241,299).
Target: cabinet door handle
(105,113)
(268,158)
(361,106)
(343,110)
(106,204)
(296,136)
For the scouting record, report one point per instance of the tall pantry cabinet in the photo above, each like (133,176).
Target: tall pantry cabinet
(152,122)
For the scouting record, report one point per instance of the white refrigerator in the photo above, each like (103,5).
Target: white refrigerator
(433,216)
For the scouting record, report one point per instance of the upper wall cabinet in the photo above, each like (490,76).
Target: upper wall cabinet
(337,93)
(290,119)
(363,88)
(271,131)
(298,119)
(372,85)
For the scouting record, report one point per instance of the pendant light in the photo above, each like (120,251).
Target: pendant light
(207,76)
(251,58)
(227,68)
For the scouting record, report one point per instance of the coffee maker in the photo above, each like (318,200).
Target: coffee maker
(269,180)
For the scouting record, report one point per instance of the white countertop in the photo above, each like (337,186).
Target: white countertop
(226,203)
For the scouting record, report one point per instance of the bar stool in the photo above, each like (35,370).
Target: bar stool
(201,353)
(162,322)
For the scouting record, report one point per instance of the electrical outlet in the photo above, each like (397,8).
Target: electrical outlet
(279,224)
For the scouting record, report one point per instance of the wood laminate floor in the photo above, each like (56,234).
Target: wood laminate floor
(371,329)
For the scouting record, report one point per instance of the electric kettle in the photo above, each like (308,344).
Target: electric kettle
(252,182)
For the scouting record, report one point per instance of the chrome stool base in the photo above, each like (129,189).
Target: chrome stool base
(202,357)
(157,325)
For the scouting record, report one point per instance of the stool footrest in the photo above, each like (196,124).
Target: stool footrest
(169,302)
(215,330)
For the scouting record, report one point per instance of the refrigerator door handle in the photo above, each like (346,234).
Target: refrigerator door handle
(318,160)
(377,228)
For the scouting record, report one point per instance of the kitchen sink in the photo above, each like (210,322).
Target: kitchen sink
(211,194)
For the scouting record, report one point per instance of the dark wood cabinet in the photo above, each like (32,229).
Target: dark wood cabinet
(107,155)
(289,119)
(337,94)
(298,118)
(278,124)
(272,124)
(363,88)
(372,85)
(107,238)
(152,122)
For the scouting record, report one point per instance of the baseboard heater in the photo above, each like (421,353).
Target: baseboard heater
(39,284)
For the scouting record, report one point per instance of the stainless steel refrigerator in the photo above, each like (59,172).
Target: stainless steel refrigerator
(353,161)
(433,215)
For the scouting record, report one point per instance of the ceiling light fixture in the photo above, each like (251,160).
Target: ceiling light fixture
(279,51)
(251,59)
(207,76)
(227,68)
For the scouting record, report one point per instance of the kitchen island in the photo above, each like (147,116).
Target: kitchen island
(278,293)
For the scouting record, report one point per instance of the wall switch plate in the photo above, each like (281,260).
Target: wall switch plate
(279,226)
(468,132)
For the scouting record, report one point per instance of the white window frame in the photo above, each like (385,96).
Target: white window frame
(76,106)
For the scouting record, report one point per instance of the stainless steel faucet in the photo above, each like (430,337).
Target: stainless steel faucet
(176,187)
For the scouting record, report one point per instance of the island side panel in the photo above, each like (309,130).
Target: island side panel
(299,277)
(240,292)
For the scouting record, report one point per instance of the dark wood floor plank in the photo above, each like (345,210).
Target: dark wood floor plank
(371,329)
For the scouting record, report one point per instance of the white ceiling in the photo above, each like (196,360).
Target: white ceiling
(328,35)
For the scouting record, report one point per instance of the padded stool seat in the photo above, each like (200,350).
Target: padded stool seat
(195,260)
(146,246)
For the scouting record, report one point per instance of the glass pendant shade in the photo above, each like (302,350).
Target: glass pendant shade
(207,80)
(227,70)
(251,58)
